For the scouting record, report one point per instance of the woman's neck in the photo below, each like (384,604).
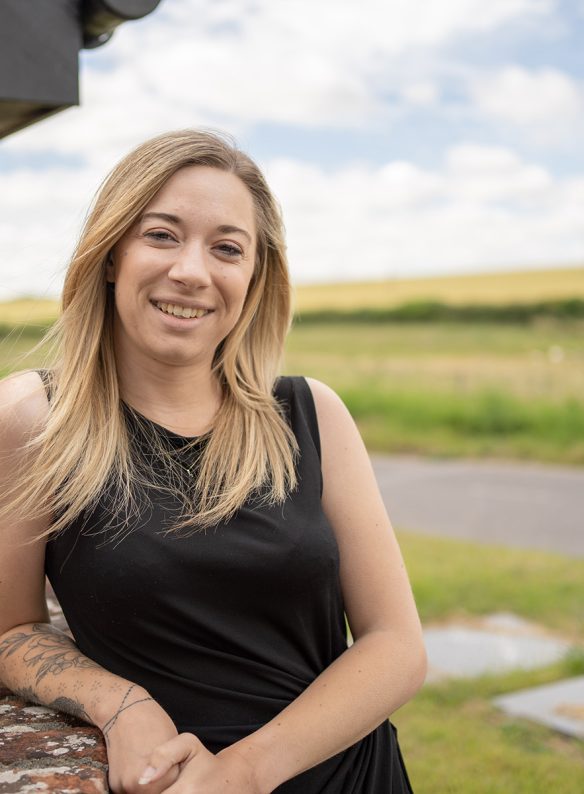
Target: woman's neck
(182,399)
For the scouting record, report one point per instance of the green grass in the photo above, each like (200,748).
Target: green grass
(457,578)
(15,352)
(422,340)
(439,389)
(453,737)
(455,390)
(486,423)
(455,740)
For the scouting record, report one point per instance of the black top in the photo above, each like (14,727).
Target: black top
(224,628)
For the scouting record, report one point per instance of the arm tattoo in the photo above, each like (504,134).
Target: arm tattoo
(70,706)
(112,720)
(52,652)
(27,694)
(49,650)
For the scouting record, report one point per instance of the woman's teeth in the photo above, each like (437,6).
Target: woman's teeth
(180,311)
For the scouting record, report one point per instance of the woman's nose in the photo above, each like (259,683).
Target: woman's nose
(191,267)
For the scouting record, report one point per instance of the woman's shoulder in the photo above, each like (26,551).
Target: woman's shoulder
(336,425)
(24,407)
(319,406)
(322,397)
(301,383)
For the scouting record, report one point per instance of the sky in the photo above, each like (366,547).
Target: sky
(403,138)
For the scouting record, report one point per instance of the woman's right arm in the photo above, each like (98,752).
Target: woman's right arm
(38,661)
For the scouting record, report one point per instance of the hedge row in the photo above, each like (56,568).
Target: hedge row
(414,312)
(434,311)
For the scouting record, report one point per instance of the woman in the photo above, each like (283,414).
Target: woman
(205,525)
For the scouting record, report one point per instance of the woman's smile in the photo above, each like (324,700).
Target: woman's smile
(181,311)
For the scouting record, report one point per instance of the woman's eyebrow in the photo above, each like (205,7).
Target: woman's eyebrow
(228,229)
(165,216)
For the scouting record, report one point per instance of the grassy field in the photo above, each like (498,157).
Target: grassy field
(516,287)
(454,740)
(525,286)
(440,388)
(455,390)
(28,311)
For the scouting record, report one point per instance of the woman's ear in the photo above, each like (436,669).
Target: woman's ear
(110,275)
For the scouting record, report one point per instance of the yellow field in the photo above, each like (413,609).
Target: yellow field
(28,311)
(515,287)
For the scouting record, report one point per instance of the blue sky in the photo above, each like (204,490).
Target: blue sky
(402,137)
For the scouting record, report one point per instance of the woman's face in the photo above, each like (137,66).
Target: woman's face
(181,273)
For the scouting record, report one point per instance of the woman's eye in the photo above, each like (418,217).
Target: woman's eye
(161,236)
(230,250)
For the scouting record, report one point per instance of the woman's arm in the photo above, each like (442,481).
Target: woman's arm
(37,661)
(43,665)
(386,664)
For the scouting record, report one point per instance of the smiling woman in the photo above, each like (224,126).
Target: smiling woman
(181,275)
(215,660)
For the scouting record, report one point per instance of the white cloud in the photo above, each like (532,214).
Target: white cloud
(494,174)
(547,100)
(483,207)
(421,93)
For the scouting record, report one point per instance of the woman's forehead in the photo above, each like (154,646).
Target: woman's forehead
(204,189)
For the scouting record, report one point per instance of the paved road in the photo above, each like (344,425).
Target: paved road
(523,505)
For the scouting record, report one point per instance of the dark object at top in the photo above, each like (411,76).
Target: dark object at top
(101,17)
(39,48)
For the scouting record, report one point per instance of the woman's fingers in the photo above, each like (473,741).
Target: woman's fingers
(177,750)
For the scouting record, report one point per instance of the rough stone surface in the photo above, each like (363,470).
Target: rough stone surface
(45,750)
(559,706)
(24,742)
(78,779)
(12,711)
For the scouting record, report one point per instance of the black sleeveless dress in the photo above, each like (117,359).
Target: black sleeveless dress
(227,627)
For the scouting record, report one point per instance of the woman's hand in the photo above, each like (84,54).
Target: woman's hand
(225,773)
(132,734)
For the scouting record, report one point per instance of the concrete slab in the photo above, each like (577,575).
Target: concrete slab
(495,644)
(559,706)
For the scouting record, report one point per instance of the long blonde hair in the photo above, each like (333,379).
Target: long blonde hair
(85,442)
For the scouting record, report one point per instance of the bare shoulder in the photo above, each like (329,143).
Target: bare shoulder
(327,401)
(344,458)
(336,425)
(24,407)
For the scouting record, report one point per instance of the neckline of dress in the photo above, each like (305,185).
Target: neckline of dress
(170,434)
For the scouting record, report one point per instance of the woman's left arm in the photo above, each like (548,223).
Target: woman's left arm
(386,664)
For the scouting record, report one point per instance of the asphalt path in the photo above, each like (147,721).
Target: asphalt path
(522,505)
